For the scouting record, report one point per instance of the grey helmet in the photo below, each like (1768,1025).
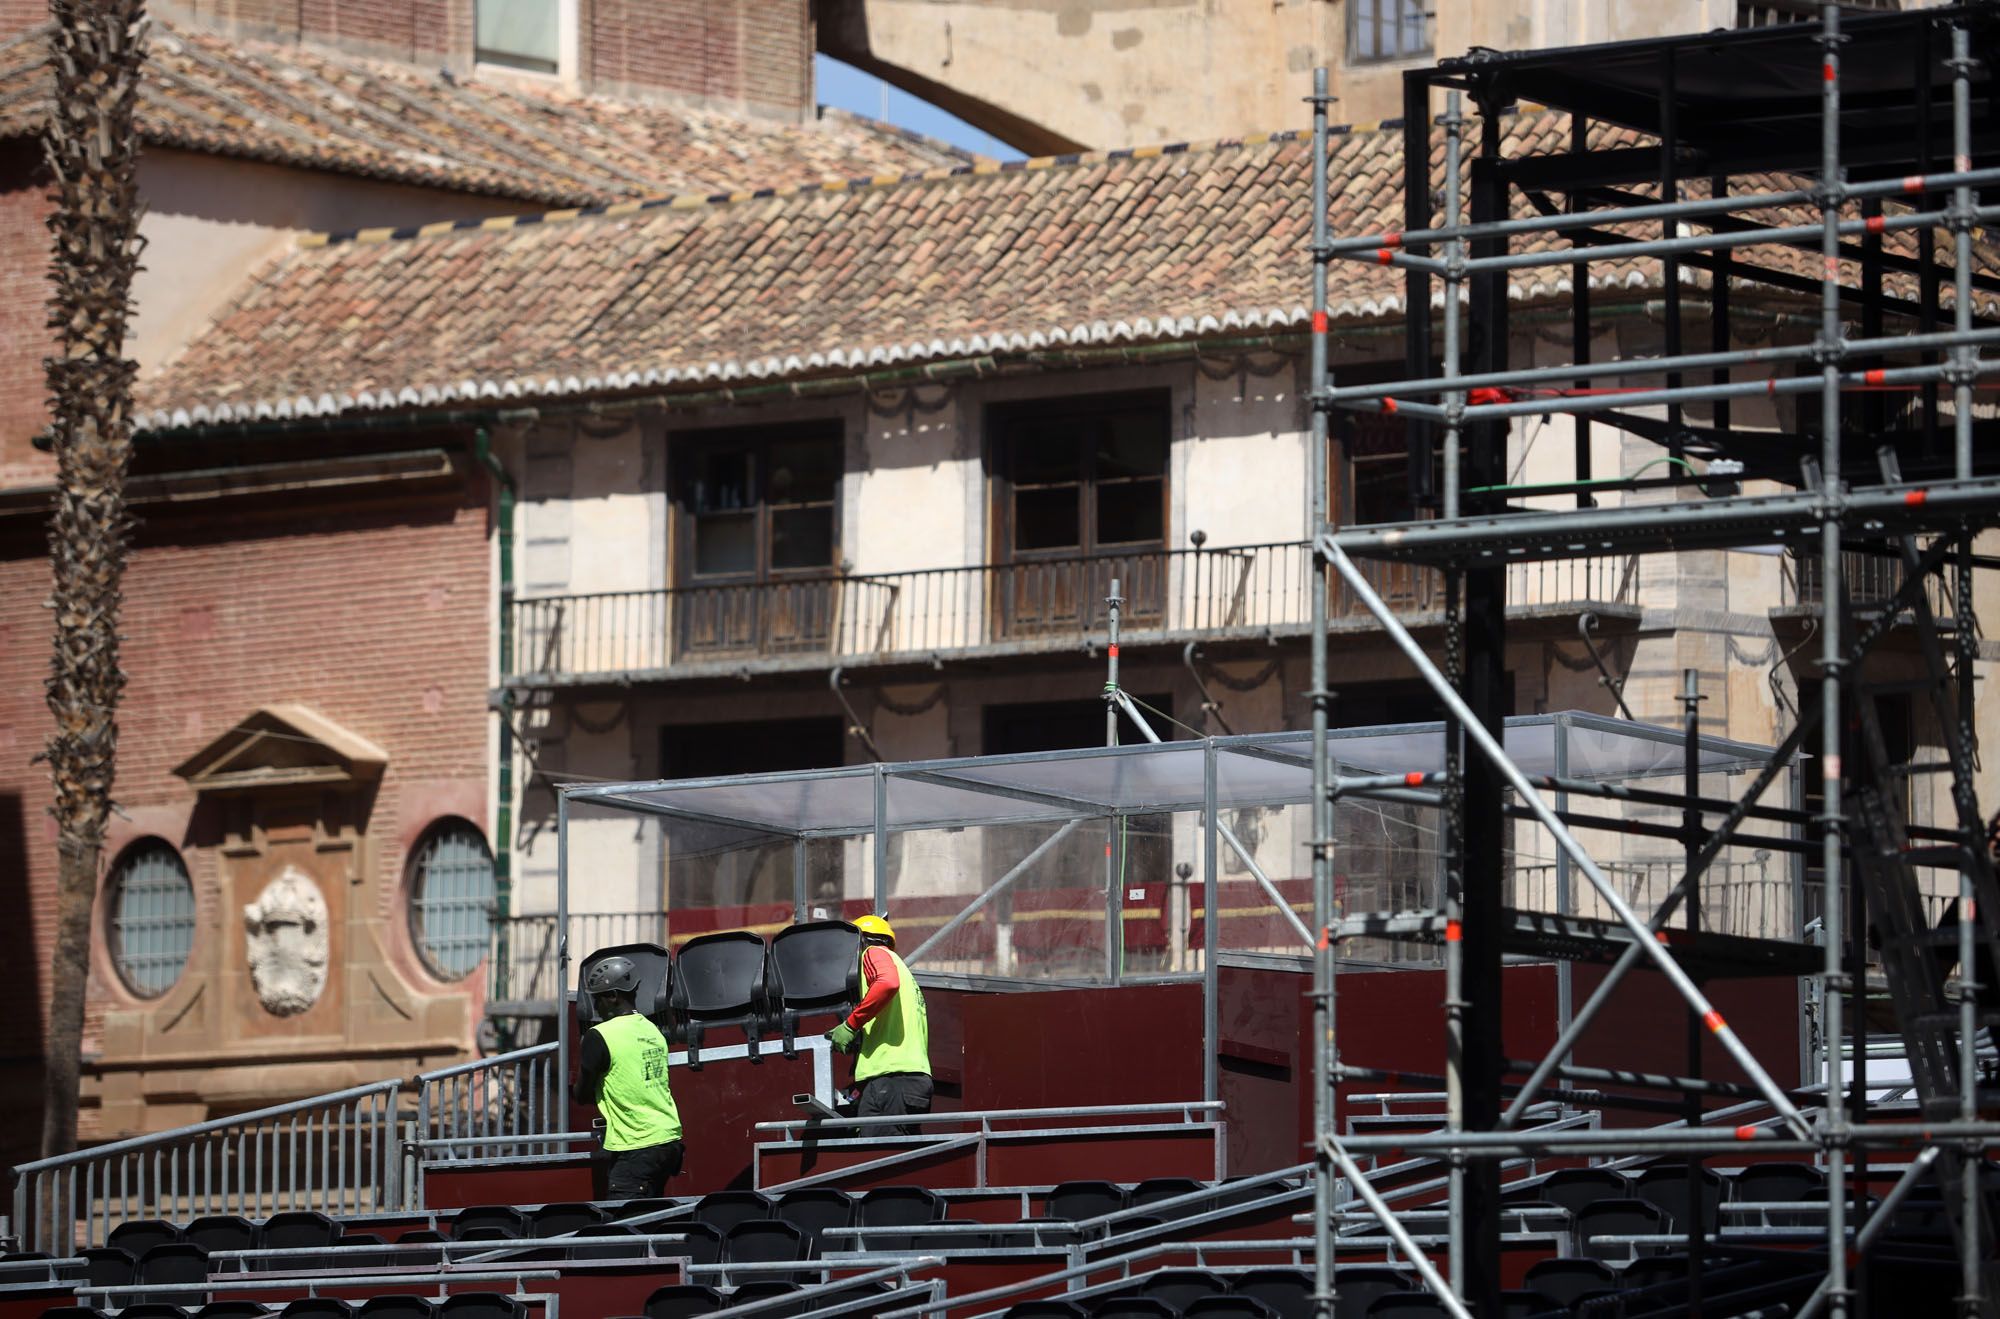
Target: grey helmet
(613,975)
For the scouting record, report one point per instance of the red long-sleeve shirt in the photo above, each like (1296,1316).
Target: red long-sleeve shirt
(879,984)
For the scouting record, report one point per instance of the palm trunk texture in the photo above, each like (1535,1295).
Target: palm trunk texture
(95,54)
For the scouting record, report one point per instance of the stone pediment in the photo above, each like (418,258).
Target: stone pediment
(283,746)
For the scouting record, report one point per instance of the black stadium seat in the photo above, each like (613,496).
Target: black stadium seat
(1076,1201)
(1406,1305)
(603,1242)
(897,1206)
(1288,1292)
(498,1222)
(1227,1307)
(1573,1188)
(479,1305)
(1567,1280)
(1361,1286)
(396,1307)
(1047,1309)
(222,1232)
(720,980)
(1766,1182)
(1177,1287)
(140,1235)
(815,968)
(814,1209)
(1162,1188)
(703,1244)
(561,1219)
(1132,1307)
(769,1290)
(723,1210)
(72,1312)
(1631,1217)
(108,1266)
(153,1310)
(232,1310)
(763,1241)
(653,998)
(318,1307)
(1526,1304)
(683,1301)
(298,1229)
(1667,1187)
(171,1263)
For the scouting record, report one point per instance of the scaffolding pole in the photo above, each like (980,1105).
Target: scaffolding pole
(1477,530)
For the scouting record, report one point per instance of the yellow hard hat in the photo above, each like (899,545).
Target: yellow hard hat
(873,924)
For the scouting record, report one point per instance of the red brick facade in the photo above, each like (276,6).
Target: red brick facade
(739,54)
(24,293)
(377,615)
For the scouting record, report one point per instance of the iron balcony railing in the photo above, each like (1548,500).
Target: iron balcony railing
(1048,604)
(1871,579)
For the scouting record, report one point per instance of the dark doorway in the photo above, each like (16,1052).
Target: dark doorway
(1063,725)
(716,866)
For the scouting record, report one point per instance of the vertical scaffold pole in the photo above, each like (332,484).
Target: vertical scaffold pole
(1324,1114)
(1114,892)
(1830,655)
(562,960)
(1454,874)
(1970,1300)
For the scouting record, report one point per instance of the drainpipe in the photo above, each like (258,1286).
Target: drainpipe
(503,811)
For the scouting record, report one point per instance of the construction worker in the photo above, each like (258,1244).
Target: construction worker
(888,1032)
(624,1072)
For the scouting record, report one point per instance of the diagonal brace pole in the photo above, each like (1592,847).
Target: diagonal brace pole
(1284,907)
(1489,746)
(1387,1217)
(1877,1221)
(1000,885)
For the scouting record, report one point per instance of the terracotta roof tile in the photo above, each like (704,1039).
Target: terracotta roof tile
(305,106)
(819,280)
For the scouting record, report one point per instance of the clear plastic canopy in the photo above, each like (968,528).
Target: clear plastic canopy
(1261,769)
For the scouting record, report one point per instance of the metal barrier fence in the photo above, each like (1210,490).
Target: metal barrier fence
(351,1152)
(1038,603)
(338,1154)
(521,962)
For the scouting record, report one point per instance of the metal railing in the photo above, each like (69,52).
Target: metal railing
(336,1153)
(521,962)
(1871,579)
(1040,603)
(1755,898)
(511,1100)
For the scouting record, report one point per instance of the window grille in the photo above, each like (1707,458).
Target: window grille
(451,903)
(152,918)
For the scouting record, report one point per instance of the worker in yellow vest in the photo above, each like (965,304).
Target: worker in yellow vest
(888,1032)
(624,1072)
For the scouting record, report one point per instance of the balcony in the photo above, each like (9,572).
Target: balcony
(1872,581)
(1047,605)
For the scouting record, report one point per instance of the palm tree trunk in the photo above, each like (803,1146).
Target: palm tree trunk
(95,54)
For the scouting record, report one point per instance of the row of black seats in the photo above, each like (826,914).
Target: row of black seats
(692,1300)
(465,1305)
(1666,1187)
(1274,1293)
(735,978)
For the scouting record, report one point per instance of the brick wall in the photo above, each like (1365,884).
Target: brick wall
(753,55)
(380,620)
(24,293)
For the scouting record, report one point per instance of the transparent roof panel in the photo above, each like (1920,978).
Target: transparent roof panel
(1265,769)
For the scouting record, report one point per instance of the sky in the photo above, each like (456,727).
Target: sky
(848,88)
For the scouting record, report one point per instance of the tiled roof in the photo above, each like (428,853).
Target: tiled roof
(300,106)
(1148,244)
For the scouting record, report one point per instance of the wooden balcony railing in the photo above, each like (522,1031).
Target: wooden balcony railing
(1042,604)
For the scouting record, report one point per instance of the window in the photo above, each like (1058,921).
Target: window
(1081,499)
(1083,475)
(1387,30)
(521,34)
(152,918)
(758,502)
(451,899)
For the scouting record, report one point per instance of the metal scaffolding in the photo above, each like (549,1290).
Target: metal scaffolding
(1900,153)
